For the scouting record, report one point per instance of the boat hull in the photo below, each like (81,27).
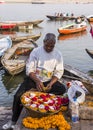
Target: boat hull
(14,59)
(71,30)
(90,52)
(21,38)
(90,19)
(54,17)
(51,17)
(7,26)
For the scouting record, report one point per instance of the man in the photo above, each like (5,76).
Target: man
(44,68)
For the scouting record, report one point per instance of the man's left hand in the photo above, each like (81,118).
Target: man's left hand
(48,87)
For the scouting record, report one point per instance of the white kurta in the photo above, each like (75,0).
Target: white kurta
(44,64)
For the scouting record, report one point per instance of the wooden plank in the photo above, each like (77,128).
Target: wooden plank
(75,126)
(86,124)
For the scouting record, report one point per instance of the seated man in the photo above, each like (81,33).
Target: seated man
(43,68)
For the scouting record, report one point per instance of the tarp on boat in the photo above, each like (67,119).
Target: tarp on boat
(5,43)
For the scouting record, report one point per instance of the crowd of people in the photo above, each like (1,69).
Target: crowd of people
(64,14)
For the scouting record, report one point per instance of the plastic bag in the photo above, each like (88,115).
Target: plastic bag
(76,86)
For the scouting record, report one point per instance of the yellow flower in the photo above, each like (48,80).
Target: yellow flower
(51,121)
(49,74)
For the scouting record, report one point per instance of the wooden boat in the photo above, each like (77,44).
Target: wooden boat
(21,38)
(36,22)
(72,73)
(90,18)
(16,25)
(7,26)
(25,27)
(53,17)
(14,59)
(19,24)
(37,2)
(74,28)
(71,36)
(25,23)
(90,52)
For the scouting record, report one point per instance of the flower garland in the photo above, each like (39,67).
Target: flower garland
(51,121)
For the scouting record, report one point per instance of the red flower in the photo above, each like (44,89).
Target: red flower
(34,99)
(57,107)
(59,102)
(45,99)
(42,96)
(47,108)
(48,95)
(64,100)
(50,104)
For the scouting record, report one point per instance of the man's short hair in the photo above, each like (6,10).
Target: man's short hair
(50,37)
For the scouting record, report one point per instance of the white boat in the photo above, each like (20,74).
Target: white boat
(5,43)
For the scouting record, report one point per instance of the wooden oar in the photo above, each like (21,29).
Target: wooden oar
(76,78)
(33,42)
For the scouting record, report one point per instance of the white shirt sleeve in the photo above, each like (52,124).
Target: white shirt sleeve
(59,70)
(31,63)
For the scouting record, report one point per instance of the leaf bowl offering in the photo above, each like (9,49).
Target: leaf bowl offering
(42,103)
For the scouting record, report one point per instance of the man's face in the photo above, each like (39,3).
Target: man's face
(49,46)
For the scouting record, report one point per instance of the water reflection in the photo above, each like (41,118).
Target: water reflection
(71,36)
(90,72)
(7,32)
(12,82)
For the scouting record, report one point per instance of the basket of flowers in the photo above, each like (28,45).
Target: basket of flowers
(42,104)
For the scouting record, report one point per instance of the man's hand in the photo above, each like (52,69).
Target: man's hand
(48,87)
(39,86)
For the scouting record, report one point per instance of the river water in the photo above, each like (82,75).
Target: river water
(72,46)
